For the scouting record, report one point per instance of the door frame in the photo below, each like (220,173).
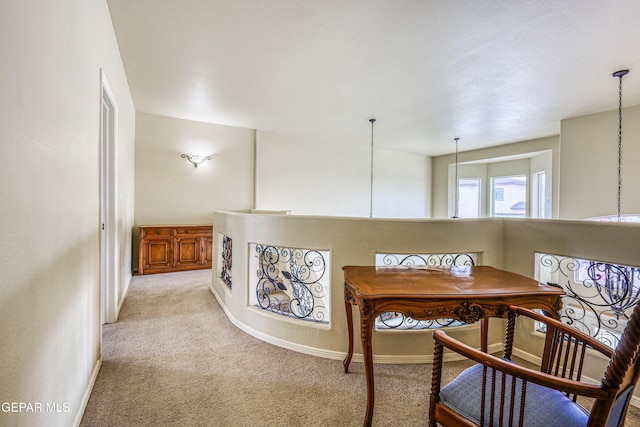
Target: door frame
(109,269)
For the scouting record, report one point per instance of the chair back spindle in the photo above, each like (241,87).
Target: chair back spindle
(507,391)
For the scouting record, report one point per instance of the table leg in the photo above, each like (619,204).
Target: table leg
(366,332)
(349,312)
(484,332)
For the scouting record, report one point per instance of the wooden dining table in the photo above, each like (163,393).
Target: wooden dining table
(469,294)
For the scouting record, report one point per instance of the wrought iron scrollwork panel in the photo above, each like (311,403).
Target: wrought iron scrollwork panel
(429,259)
(395,320)
(226,260)
(292,282)
(598,297)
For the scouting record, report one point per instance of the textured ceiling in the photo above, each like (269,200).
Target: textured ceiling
(489,72)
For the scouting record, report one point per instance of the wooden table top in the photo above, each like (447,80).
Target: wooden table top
(416,281)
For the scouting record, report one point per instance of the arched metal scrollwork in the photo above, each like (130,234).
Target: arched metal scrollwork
(598,295)
(290,282)
(429,259)
(226,255)
(395,320)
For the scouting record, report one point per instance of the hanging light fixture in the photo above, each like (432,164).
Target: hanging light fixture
(455,209)
(371,182)
(619,75)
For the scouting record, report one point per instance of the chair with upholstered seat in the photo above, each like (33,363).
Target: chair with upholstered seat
(497,392)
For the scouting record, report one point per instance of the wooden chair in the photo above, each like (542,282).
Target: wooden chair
(497,392)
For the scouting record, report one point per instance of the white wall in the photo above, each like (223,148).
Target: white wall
(401,185)
(310,177)
(589,164)
(52,53)
(170,190)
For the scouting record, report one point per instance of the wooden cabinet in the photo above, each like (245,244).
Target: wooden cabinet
(164,249)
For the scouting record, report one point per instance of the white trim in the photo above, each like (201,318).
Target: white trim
(289,319)
(528,357)
(111,304)
(87,393)
(254,192)
(337,355)
(313,351)
(124,295)
(531,358)
(536,360)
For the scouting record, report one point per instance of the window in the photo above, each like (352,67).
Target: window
(398,321)
(469,198)
(509,196)
(539,196)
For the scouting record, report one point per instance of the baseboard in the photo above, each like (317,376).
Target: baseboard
(313,351)
(87,393)
(97,366)
(531,358)
(635,400)
(338,355)
(124,295)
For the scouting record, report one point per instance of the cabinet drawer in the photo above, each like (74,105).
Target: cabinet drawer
(194,231)
(150,232)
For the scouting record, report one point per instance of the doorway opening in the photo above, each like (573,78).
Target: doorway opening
(109,271)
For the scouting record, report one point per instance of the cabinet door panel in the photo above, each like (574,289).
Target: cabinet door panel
(207,250)
(158,255)
(188,251)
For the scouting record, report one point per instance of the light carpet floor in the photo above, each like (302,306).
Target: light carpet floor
(174,359)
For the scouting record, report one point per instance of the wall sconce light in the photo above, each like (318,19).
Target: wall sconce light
(196,159)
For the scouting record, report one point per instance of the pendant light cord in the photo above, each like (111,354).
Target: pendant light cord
(371,182)
(455,209)
(619,75)
(619,145)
